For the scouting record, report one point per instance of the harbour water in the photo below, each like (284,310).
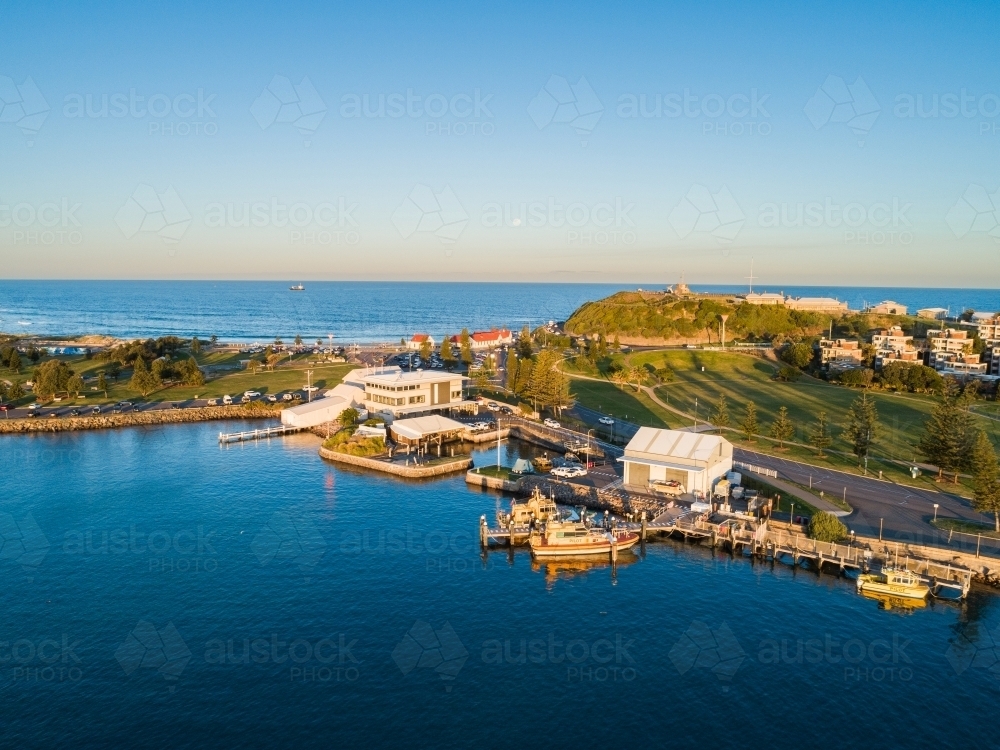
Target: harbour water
(172,592)
(350,311)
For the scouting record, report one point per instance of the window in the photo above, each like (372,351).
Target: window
(417,399)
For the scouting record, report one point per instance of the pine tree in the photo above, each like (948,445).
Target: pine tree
(720,417)
(425,349)
(447,354)
(142,381)
(782,428)
(194,374)
(195,346)
(524,348)
(985,477)
(862,425)
(947,433)
(749,425)
(820,437)
(511,382)
(465,347)
(15,361)
(16,391)
(102,383)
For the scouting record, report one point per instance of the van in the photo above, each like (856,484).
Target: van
(227,399)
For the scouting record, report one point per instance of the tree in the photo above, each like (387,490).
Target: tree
(17,391)
(465,344)
(214,339)
(615,344)
(74,385)
(985,477)
(102,383)
(720,417)
(15,361)
(797,355)
(782,428)
(114,370)
(619,378)
(826,527)
(52,377)
(947,432)
(862,425)
(158,370)
(349,416)
(511,380)
(253,364)
(425,349)
(749,425)
(298,341)
(193,374)
(447,354)
(636,375)
(195,346)
(278,341)
(524,348)
(819,437)
(548,386)
(142,381)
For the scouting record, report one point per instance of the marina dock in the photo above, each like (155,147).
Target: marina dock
(266,433)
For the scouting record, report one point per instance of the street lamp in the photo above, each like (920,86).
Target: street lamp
(935,511)
(724,318)
(588,445)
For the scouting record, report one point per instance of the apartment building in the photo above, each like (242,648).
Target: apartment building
(839,354)
(892,345)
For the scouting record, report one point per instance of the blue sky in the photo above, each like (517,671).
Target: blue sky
(795,146)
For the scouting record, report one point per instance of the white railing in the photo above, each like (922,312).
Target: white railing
(756,469)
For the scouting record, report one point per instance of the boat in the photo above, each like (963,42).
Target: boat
(893,582)
(573,538)
(543,463)
(537,508)
(297,288)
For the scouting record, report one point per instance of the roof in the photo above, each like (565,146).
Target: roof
(420,337)
(932,309)
(398,377)
(418,427)
(680,444)
(318,405)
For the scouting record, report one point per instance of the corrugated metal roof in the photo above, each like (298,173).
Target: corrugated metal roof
(674,444)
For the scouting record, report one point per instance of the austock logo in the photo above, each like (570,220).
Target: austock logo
(975,649)
(976,211)
(701,210)
(163,650)
(836,101)
(23,106)
(163,214)
(560,102)
(281,101)
(423,210)
(289,536)
(22,542)
(423,647)
(713,649)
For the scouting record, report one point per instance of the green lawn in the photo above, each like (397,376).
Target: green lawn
(622,403)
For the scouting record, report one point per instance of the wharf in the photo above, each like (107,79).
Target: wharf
(266,433)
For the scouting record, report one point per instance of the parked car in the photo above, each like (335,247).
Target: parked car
(606,420)
(251,394)
(309,389)
(227,399)
(506,410)
(272,398)
(212,402)
(551,423)
(74,412)
(96,410)
(245,400)
(670,487)
(287,397)
(493,406)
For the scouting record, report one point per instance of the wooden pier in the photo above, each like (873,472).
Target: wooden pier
(742,536)
(266,433)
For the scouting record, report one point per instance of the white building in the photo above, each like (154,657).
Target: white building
(415,343)
(933,313)
(347,395)
(393,392)
(888,307)
(695,460)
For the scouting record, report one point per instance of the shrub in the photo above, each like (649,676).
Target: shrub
(826,527)
(787,374)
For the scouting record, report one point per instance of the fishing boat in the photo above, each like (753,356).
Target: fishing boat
(573,538)
(893,582)
(297,288)
(537,508)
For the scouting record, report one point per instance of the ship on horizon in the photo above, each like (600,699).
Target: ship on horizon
(297,288)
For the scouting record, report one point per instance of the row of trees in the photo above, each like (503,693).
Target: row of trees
(448,349)
(538,379)
(146,380)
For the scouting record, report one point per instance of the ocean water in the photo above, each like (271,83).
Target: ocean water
(171,593)
(350,311)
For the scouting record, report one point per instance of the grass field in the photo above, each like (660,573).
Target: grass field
(744,378)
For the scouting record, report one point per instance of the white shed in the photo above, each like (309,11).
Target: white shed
(695,460)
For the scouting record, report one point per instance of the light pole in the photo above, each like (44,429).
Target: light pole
(309,393)
(724,317)
(588,445)
(935,511)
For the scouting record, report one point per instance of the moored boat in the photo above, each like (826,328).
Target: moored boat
(297,288)
(572,538)
(894,583)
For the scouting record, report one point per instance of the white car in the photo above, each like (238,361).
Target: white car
(287,397)
(552,423)
(272,398)
(493,406)
(251,394)
(227,399)
(576,471)
(606,420)
(212,402)
(560,471)
(310,389)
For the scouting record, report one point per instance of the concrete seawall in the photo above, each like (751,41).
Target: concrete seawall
(131,419)
(411,472)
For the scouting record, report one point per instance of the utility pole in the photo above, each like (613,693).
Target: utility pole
(724,318)
(309,393)
(751,277)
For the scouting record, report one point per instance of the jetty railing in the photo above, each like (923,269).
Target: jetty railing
(260,434)
(755,469)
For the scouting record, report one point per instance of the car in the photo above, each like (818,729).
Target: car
(287,397)
(251,394)
(74,412)
(212,402)
(506,410)
(246,400)
(493,406)
(227,399)
(559,471)
(271,398)
(551,423)
(606,420)
(577,471)
(309,389)
(96,410)
(124,404)
(35,406)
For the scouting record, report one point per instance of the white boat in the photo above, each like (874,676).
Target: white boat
(297,288)
(893,582)
(572,539)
